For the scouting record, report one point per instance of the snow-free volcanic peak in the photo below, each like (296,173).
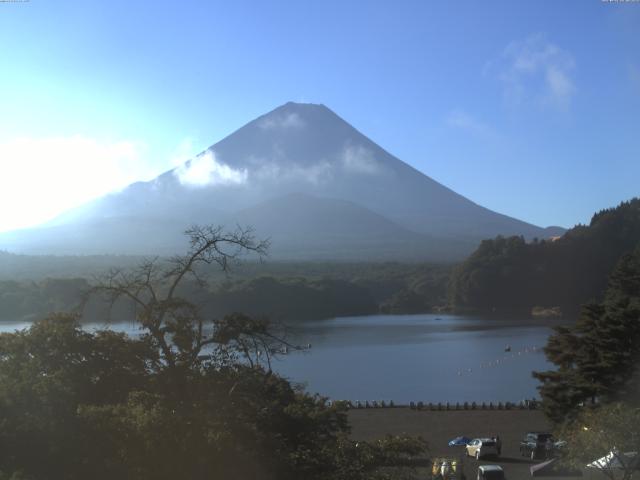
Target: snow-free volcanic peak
(295,148)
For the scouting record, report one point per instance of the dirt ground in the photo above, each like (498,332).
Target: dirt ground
(438,427)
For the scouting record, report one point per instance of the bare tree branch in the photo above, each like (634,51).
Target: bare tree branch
(172,322)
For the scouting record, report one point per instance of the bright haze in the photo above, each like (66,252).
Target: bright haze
(528,109)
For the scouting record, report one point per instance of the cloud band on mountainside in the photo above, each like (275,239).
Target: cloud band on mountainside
(205,170)
(286,121)
(350,160)
(358,159)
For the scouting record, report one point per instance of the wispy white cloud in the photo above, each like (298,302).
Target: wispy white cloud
(42,177)
(315,174)
(463,120)
(358,159)
(185,151)
(274,171)
(535,70)
(205,170)
(352,160)
(289,120)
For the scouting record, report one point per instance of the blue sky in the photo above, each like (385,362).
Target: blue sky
(529,108)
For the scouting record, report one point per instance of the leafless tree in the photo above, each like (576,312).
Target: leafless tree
(174,324)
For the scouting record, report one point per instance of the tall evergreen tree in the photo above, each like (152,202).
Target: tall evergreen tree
(596,358)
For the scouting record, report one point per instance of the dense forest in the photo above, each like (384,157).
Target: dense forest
(503,275)
(510,274)
(281,291)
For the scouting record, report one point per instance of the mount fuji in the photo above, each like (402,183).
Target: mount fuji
(300,175)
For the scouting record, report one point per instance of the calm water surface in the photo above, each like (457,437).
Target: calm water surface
(433,358)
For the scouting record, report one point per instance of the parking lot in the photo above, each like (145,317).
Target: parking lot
(438,427)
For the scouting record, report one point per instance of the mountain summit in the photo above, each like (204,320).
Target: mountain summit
(301,175)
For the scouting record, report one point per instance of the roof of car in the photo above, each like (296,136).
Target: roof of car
(483,440)
(490,468)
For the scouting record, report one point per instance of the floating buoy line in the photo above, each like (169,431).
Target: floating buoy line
(510,354)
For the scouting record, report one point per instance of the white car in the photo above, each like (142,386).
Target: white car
(490,472)
(480,447)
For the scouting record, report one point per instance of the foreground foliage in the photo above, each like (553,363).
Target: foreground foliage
(607,431)
(597,358)
(75,404)
(593,396)
(189,398)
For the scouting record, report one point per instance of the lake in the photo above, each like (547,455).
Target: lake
(430,358)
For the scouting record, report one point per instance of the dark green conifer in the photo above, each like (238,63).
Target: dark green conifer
(597,357)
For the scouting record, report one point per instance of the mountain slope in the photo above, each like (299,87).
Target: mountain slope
(302,226)
(299,226)
(305,144)
(295,148)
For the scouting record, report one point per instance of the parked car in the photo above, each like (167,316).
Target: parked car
(481,447)
(490,472)
(537,445)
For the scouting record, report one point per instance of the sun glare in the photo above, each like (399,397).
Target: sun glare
(42,177)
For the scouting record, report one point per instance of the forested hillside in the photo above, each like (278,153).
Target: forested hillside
(285,292)
(510,274)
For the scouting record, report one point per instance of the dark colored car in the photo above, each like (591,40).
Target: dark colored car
(490,472)
(537,445)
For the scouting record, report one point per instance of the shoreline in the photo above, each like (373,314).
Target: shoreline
(440,426)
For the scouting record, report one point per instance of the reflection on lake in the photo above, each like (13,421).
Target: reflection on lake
(410,357)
